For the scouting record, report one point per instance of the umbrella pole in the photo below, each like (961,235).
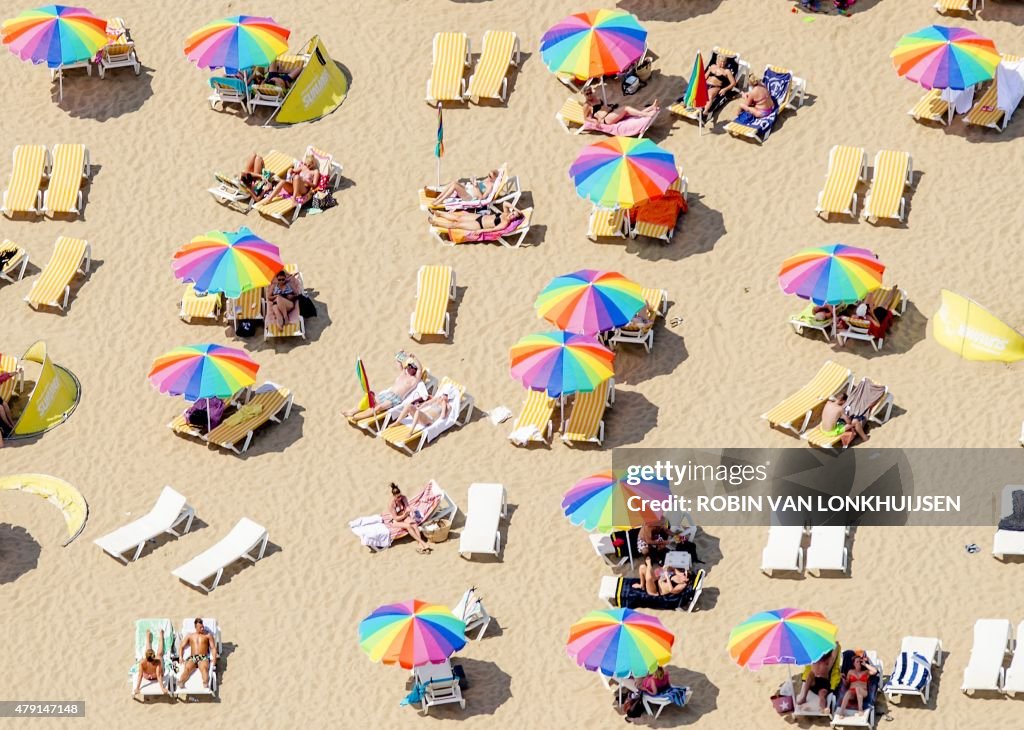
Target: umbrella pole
(60,77)
(629,550)
(604,96)
(835,329)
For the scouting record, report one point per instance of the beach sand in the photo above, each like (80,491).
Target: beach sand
(290,622)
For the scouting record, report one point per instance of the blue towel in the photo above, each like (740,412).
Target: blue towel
(778,86)
(910,671)
(414,697)
(677,695)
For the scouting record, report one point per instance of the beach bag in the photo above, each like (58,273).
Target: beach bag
(205,412)
(246,327)
(783,704)
(644,70)
(440,532)
(323,200)
(5,256)
(634,706)
(631,84)
(306,307)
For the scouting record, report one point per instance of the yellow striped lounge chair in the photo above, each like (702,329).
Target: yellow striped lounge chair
(506,189)
(70,169)
(931,108)
(512,239)
(653,230)
(9,364)
(181,426)
(828,440)
(657,300)
(196,306)
(296,324)
(272,95)
(447,80)
(278,163)
(247,306)
(31,166)
(538,412)
(893,172)
(400,435)
(120,49)
(795,412)
(571,115)
(794,97)
(847,167)
(490,80)
(286,210)
(17,262)
(435,287)
(959,6)
(269,402)
(605,223)
(586,421)
(892,299)
(985,112)
(53,287)
(373,424)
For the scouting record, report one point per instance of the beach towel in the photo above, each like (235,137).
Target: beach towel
(143,625)
(524,434)
(778,87)
(244,413)
(371,531)
(676,695)
(660,211)
(911,671)
(808,316)
(457,235)
(863,398)
(628,127)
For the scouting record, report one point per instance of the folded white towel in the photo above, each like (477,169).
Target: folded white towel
(368,520)
(376,535)
(522,435)
(500,415)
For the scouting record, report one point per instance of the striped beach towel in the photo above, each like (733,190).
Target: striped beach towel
(911,671)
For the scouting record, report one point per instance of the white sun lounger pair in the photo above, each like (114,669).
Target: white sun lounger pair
(245,539)
(487,505)
(993,640)
(168,515)
(827,551)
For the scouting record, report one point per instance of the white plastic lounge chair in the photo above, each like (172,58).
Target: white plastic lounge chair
(227,90)
(784,550)
(805,320)
(661,701)
(1008,542)
(401,435)
(471,610)
(605,550)
(244,539)
(828,550)
(231,193)
(194,684)
(119,51)
(912,673)
(485,509)
(170,510)
(440,685)
(993,640)
(150,687)
(1013,681)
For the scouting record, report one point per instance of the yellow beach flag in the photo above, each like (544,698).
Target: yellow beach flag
(319,90)
(54,396)
(968,329)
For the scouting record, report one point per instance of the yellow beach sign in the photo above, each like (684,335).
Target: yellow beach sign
(968,329)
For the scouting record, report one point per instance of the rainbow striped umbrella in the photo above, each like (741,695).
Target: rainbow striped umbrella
(593,43)
(203,371)
(411,634)
(696,95)
(601,502)
(237,43)
(939,57)
(620,642)
(623,172)
(587,302)
(229,262)
(832,274)
(784,636)
(55,35)
(561,362)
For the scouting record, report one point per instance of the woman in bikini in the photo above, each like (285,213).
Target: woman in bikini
(720,78)
(255,178)
(402,516)
(281,297)
(303,180)
(427,412)
(595,111)
(472,190)
(484,221)
(278,76)
(151,665)
(857,680)
(757,100)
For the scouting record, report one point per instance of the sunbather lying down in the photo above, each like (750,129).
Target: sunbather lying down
(255,178)
(458,191)
(467,221)
(660,581)
(602,115)
(302,181)
(277,75)
(426,412)
(151,665)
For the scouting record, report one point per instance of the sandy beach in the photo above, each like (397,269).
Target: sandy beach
(289,623)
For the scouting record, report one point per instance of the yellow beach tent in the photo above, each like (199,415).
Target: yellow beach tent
(319,90)
(54,397)
(968,329)
(57,492)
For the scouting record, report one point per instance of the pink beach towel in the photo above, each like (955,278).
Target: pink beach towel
(628,127)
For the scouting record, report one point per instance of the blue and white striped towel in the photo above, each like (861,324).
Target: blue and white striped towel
(911,671)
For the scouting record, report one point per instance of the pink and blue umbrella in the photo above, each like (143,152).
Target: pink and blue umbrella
(203,371)
(588,302)
(237,43)
(833,274)
(229,262)
(606,501)
(411,634)
(939,57)
(593,43)
(620,642)
(56,35)
(783,636)
(561,362)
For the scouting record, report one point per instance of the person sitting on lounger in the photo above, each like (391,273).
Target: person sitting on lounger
(151,665)
(652,684)
(835,419)
(302,181)
(857,679)
(408,378)
(255,178)
(593,111)
(467,221)
(278,76)
(818,677)
(402,516)
(757,100)
(721,79)
(473,190)
(282,295)
(6,420)
(428,411)
(653,538)
(202,654)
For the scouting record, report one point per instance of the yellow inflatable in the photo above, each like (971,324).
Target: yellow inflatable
(57,492)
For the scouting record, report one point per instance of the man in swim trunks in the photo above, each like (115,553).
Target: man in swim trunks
(202,654)
(409,376)
(818,678)
(757,100)
(151,665)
